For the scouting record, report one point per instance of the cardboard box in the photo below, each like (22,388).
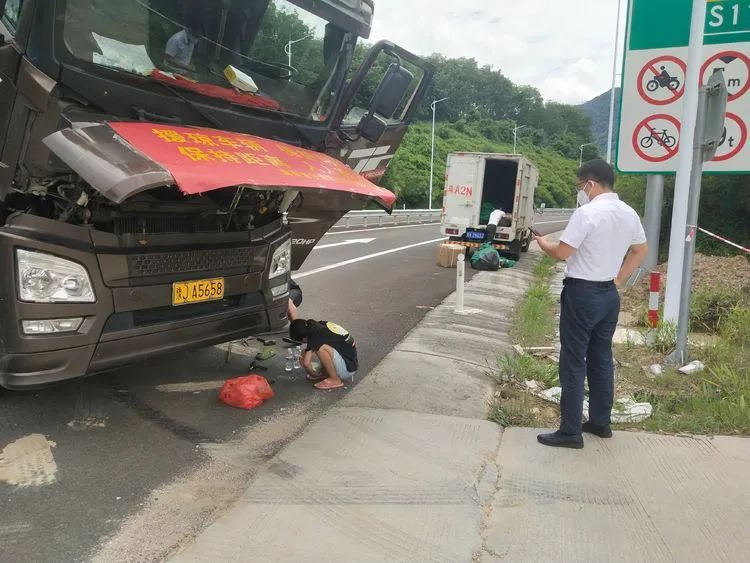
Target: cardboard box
(240,80)
(448,255)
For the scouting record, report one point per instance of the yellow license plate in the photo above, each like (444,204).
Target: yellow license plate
(197,291)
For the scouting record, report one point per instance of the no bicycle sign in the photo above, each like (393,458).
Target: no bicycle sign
(654,83)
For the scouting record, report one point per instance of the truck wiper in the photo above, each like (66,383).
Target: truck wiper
(211,119)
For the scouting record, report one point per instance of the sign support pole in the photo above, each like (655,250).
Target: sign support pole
(652,219)
(684,166)
(696,176)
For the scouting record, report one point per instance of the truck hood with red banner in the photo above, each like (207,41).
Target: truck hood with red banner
(121,159)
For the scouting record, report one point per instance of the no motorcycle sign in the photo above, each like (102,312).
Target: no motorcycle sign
(654,83)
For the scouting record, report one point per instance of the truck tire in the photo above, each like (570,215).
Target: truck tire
(526,244)
(514,252)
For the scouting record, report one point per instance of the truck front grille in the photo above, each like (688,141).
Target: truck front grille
(163,263)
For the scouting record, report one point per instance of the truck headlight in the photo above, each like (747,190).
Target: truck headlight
(281,261)
(43,278)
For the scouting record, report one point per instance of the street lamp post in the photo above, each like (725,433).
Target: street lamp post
(580,159)
(432,154)
(288,50)
(515,136)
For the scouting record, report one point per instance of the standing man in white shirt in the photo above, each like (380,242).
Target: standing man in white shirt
(603,244)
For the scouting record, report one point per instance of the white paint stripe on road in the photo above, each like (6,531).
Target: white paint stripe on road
(344,243)
(379,229)
(368,257)
(552,222)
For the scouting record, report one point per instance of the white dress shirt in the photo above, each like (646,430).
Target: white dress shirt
(601,231)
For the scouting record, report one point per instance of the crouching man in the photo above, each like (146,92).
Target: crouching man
(334,347)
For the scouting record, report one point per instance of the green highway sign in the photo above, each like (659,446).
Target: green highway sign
(728,21)
(654,83)
(666,23)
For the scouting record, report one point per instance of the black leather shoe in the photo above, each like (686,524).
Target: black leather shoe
(601,431)
(558,440)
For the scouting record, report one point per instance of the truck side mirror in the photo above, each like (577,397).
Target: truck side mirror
(385,102)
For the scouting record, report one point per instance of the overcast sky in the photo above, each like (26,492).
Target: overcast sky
(562,47)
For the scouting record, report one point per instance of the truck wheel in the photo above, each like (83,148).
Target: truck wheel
(515,251)
(526,244)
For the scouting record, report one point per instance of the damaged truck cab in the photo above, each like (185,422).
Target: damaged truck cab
(166,164)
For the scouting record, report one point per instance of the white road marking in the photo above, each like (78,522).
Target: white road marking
(379,229)
(368,257)
(350,241)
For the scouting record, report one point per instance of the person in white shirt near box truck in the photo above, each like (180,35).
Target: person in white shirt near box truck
(603,244)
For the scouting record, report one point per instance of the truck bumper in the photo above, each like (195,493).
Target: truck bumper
(25,371)
(132,318)
(497,245)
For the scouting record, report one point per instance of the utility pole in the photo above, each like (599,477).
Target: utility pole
(432,154)
(684,166)
(515,136)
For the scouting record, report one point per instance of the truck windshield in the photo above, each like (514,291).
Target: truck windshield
(267,54)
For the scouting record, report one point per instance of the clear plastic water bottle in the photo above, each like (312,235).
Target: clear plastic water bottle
(289,364)
(296,364)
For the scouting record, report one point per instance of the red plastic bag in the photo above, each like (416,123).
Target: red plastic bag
(246,392)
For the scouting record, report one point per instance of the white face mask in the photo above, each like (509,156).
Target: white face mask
(583,197)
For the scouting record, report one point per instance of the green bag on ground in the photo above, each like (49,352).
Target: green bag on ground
(486,258)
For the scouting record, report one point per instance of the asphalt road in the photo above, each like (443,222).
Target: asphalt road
(95,454)
(106,442)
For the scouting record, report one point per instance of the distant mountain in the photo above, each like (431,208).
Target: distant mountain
(598,110)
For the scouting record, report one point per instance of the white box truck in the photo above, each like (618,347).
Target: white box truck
(476,184)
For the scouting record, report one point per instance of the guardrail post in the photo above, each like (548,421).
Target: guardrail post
(364,221)
(380,220)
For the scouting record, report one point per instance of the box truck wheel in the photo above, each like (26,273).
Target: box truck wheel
(526,243)
(514,252)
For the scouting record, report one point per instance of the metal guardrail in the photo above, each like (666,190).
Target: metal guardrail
(398,217)
(410,217)
(554,211)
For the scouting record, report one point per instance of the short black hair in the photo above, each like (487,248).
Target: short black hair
(298,330)
(598,171)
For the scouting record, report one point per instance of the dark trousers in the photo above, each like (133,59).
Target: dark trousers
(588,319)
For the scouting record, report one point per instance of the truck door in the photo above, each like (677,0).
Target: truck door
(9,60)
(463,192)
(380,102)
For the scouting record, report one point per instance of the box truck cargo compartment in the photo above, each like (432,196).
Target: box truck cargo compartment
(499,189)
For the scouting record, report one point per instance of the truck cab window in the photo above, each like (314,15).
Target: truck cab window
(289,55)
(12,12)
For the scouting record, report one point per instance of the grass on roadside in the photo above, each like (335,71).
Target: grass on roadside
(534,321)
(534,325)
(714,401)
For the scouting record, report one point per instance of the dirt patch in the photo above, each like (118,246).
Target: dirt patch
(28,462)
(710,272)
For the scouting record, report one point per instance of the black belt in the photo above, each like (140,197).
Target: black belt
(597,284)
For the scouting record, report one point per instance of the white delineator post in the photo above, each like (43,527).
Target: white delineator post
(684,165)
(460,272)
(653,299)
